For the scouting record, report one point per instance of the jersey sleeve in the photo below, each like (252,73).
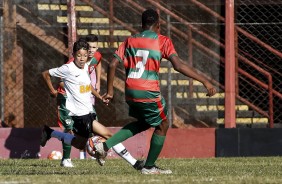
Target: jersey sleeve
(167,47)
(119,54)
(95,60)
(70,60)
(98,56)
(62,72)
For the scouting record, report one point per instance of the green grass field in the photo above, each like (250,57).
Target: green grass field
(215,170)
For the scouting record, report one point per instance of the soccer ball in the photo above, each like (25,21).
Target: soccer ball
(90,144)
(55,155)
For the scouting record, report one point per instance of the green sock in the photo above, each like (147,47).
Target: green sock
(126,132)
(66,150)
(157,142)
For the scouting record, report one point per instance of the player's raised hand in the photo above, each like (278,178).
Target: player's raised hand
(210,88)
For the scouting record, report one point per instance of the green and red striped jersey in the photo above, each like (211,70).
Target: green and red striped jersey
(141,55)
(95,60)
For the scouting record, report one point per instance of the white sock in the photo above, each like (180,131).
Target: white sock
(82,155)
(122,151)
(66,137)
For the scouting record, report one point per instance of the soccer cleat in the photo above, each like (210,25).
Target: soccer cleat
(100,153)
(155,170)
(139,164)
(46,135)
(101,161)
(66,163)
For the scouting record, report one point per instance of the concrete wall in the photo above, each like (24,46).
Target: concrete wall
(180,143)
(245,142)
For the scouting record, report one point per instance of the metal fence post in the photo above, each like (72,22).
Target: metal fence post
(71,26)
(229,116)
(2,88)
(169,80)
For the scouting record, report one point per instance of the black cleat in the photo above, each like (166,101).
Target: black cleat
(46,135)
(139,164)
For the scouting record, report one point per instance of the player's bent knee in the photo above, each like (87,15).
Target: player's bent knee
(108,135)
(163,127)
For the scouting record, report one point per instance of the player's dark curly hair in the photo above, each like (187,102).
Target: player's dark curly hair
(80,44)
(91,38)
(149,17)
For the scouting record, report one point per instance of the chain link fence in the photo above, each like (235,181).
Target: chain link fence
(260,54)
(37,39)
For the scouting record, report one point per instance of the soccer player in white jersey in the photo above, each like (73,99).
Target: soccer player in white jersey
(78,88)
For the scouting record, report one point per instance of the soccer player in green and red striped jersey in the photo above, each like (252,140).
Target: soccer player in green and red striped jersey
(141,55)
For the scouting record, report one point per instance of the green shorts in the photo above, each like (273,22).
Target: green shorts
(64,120)
(153,113)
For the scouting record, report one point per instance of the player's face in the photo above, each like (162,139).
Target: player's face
(80,58)
(93,47)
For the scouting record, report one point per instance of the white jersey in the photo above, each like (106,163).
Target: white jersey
(78,88)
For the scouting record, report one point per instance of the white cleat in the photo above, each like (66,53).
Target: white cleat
(66,163)
(155,170)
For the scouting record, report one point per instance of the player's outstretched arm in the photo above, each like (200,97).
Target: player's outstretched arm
(95,93)
(98,70)
(47,79)
(181,67)
(110,80)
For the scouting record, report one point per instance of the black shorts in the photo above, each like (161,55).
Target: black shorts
(83,125)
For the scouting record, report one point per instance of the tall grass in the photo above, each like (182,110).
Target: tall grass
(215,170)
